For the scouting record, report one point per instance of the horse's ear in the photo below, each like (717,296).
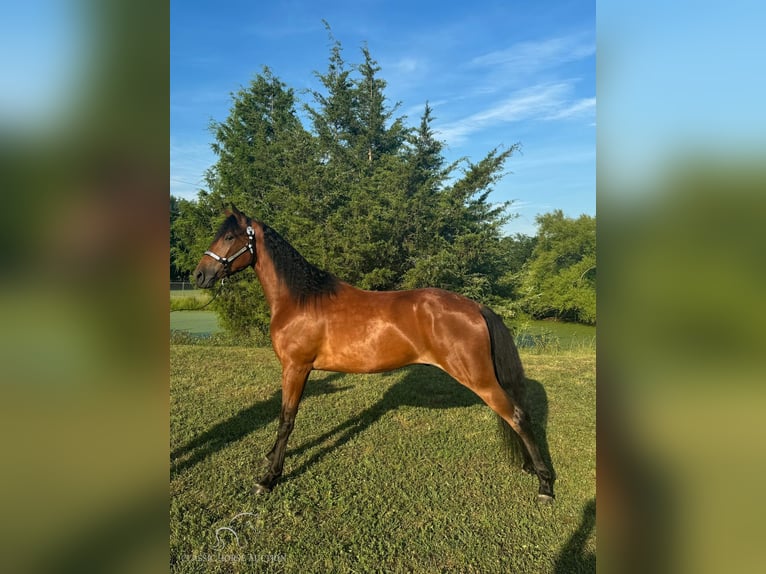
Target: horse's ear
(237,212)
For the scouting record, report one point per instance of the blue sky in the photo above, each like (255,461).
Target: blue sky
(495,73)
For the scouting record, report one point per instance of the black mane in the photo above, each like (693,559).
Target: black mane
(304,281)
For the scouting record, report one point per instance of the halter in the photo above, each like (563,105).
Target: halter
(226,261)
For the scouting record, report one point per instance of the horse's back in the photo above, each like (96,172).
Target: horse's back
(373,331)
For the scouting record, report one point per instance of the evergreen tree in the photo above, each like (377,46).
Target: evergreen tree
(376,138)
(266,165)
(464,250)
(358,193)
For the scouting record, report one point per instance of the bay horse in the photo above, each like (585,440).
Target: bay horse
(320,322)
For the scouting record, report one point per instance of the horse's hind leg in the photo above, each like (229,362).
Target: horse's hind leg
(499,401)
(293,383)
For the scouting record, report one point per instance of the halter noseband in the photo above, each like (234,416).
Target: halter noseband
(226,261)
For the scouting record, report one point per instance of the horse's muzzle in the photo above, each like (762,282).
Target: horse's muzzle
(204,278)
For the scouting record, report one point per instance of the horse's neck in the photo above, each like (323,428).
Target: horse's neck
(275,291)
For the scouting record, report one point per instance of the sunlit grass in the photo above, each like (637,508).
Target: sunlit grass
(391,472)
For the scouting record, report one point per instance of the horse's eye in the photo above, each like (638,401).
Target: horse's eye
(229,237)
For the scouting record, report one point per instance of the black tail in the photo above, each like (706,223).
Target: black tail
(510,375)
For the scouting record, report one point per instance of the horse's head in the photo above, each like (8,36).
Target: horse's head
(232,250)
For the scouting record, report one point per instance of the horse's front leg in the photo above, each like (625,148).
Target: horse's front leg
(293,382)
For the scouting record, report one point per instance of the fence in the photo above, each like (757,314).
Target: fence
(182,286)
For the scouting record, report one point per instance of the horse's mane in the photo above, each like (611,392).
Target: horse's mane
(304,281)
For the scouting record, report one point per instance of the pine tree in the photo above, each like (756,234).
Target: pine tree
(357,192)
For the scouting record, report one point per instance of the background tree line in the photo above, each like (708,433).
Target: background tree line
(373,201)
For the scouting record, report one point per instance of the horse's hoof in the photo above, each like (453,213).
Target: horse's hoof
(261,489)
(545,499)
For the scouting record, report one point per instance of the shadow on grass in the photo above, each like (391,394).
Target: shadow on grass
(421,386)
(537,404)
(573,557)
(424,387)
(242,424)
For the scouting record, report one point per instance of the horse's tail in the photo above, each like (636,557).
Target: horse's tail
(510,375)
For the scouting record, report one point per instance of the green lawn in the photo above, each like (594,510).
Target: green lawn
(200,293)
(400,472)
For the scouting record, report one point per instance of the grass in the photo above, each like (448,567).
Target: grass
(399,472)
(191,299)
(178,293)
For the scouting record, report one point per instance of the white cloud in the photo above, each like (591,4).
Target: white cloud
(544,101)
(519,205)
(415,112)
(528,81)
(540,55)
(406,65)
(579,108)
(546,157)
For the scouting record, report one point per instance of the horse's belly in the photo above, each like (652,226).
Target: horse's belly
(369,348)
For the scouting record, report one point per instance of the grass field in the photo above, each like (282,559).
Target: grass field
(400,472)
(199,293)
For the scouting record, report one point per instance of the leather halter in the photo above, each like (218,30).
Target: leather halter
(226,261)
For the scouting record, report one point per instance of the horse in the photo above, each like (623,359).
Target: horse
(320,322)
